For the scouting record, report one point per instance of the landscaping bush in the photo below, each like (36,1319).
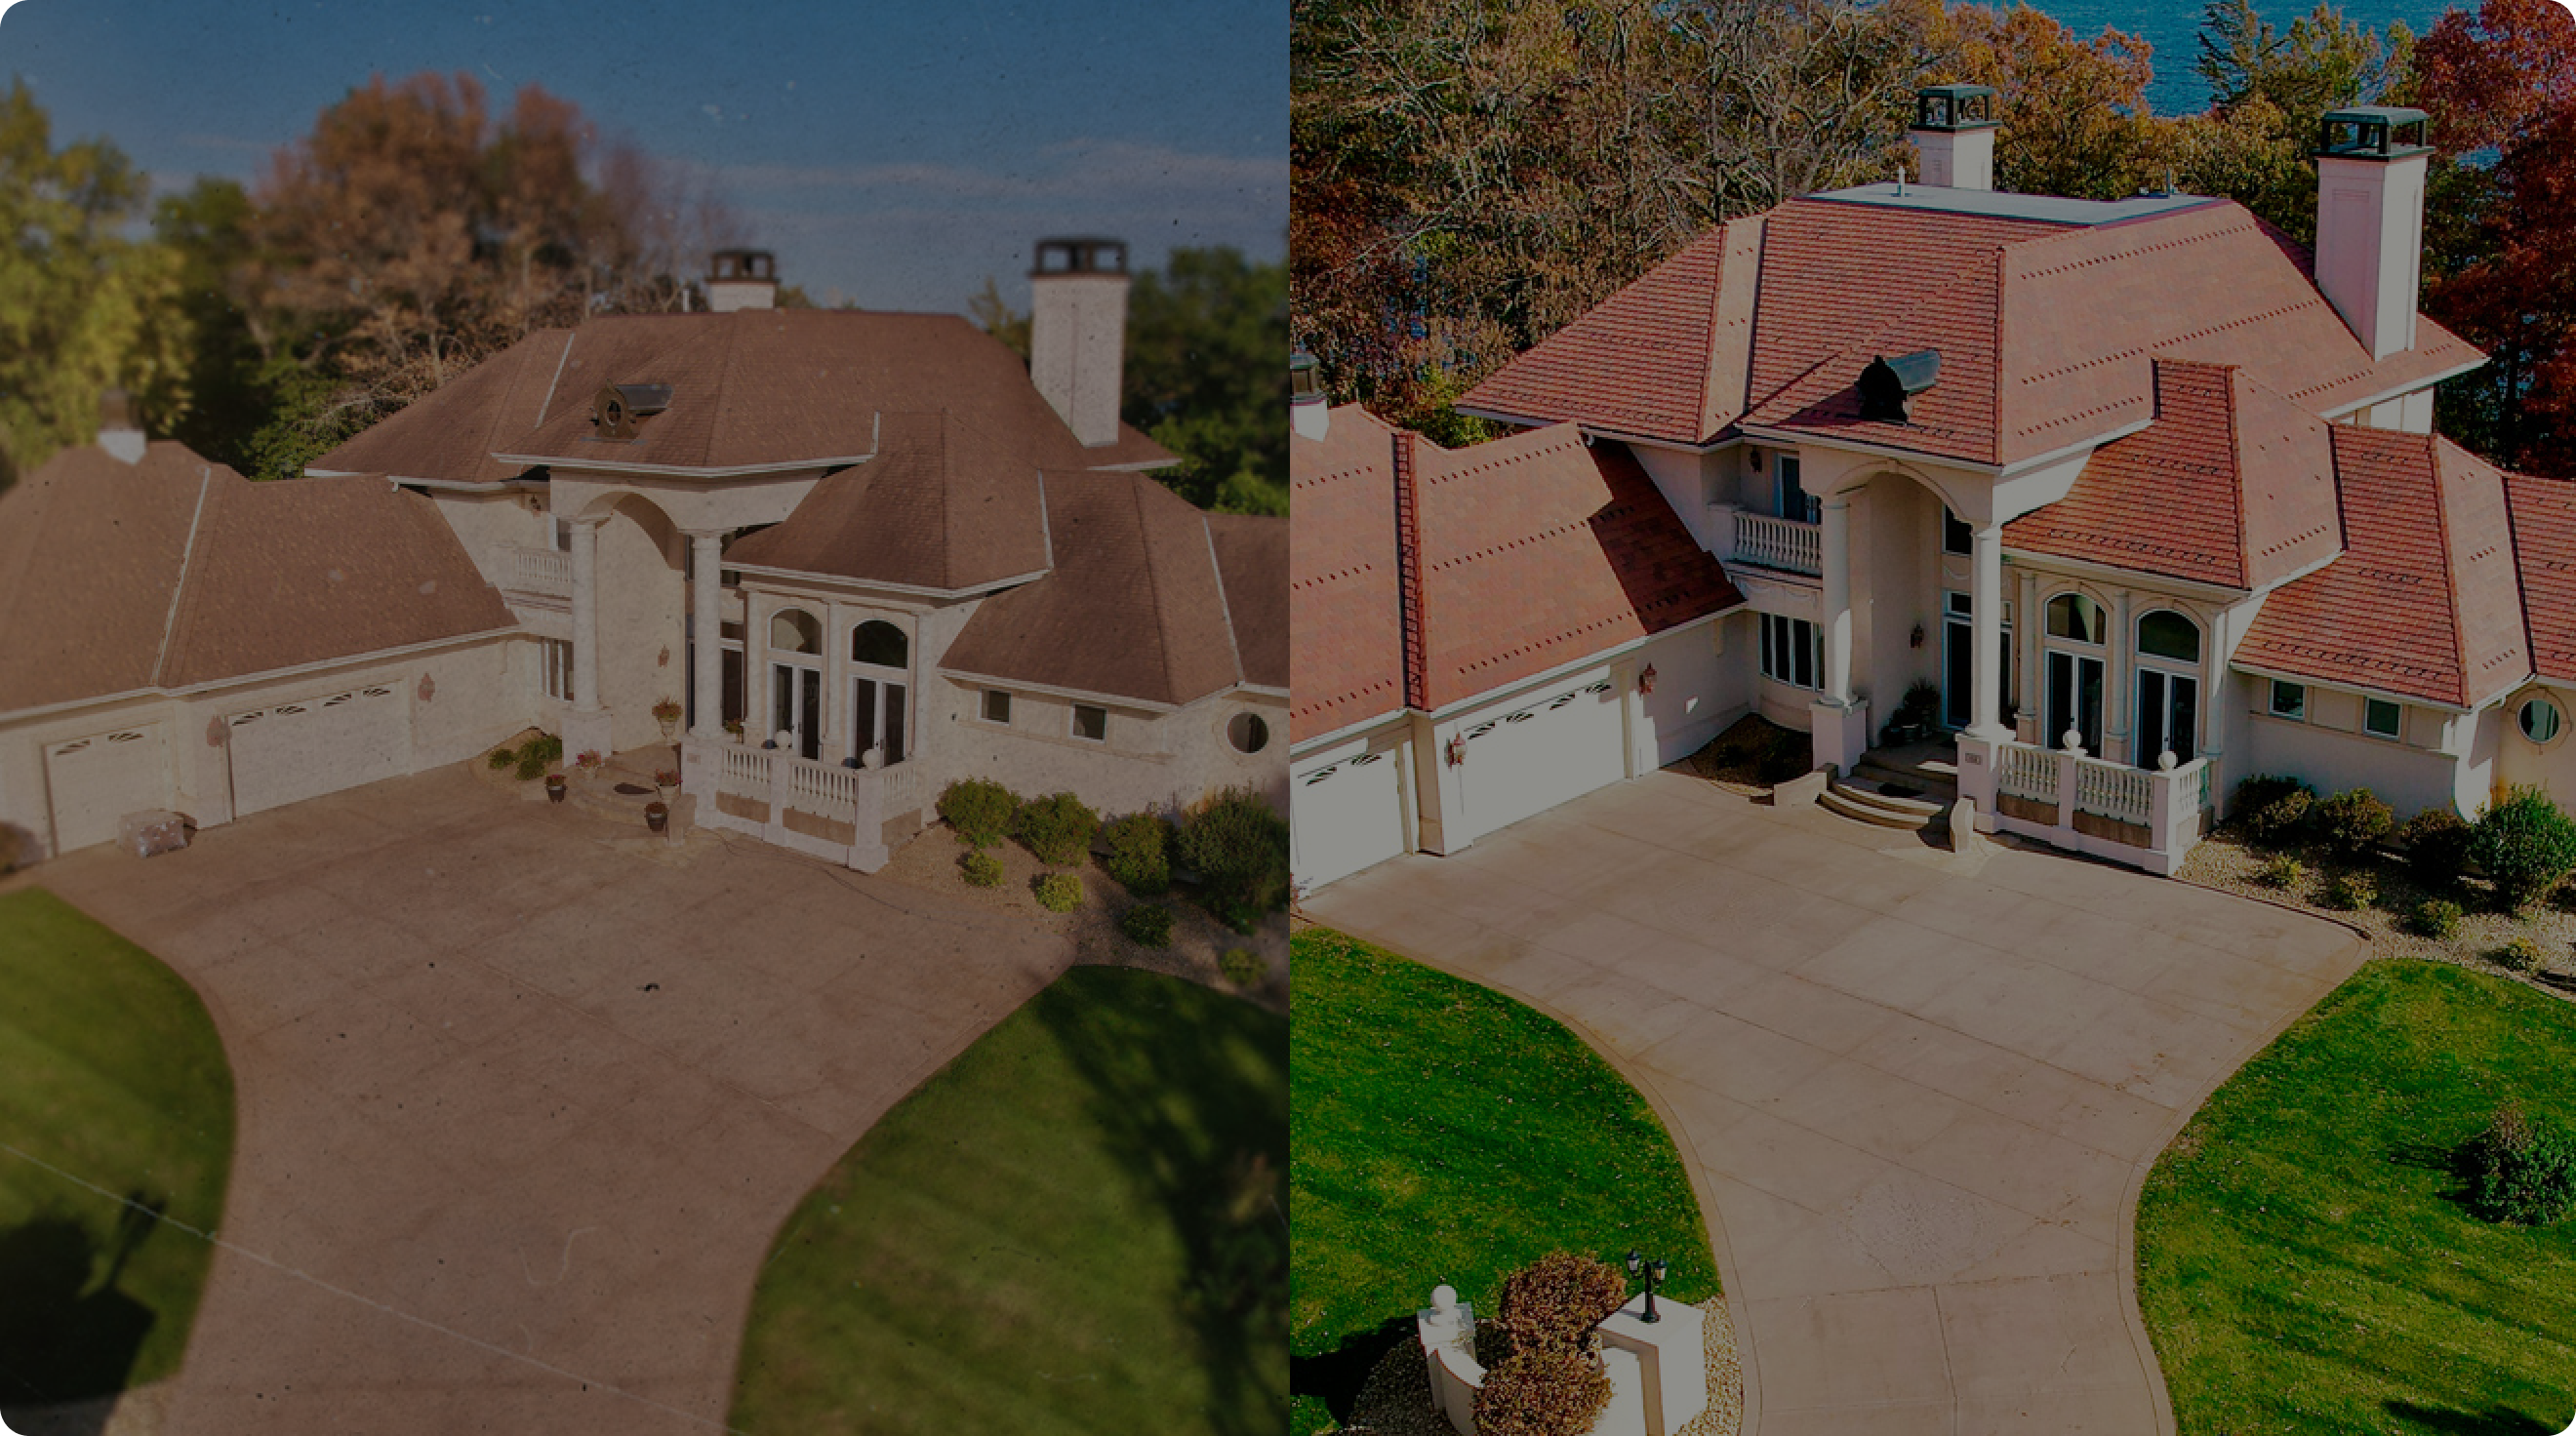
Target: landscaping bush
(1150,924)
(1239,848)
(2349,891)
(2520,1170)
(1552,1304)
(501,758)
(2526,844)
(1242,966)
(2281,872)
(980,811)
(539,752)
(1058,828)
(1546,1393)
(2523,954)
(1140,856)
(2435,917)
(2279,823)
(2351,822)
(14,845)
(2262,791)
(1059,892)
(983,870)
(2437,847)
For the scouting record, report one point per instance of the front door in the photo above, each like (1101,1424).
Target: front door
(796,705)
(877,716)
(2074,699)
(2168,716)
(1959,661)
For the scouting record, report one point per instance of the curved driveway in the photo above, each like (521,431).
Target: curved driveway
(520,1106)
(1921,1093)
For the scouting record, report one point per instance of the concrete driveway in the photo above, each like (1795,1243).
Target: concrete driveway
(521,1108)
(1919,1101)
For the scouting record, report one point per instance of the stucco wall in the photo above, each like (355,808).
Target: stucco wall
(2408,779)
(487,523)
(1703,681)
(1159,762)
(2551,765)
(642,593)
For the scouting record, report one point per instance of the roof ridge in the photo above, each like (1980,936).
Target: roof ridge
(2235,465)
(1224,605)
(179,591)
(1153,584)
(2459,642)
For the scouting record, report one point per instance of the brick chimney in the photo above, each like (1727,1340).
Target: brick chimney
(741,279)
(1954,131)
(2371,161)
(120,431)
(1078,333)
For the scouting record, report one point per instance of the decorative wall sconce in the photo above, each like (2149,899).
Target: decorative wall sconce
(1915,640)
(1457,750)
(1646,680)
(428,688)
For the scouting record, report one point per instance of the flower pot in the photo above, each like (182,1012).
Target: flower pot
(555,787)
(657,816)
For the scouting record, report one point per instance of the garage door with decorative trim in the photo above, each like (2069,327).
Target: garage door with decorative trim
(94,782)
(1346,817)
(1552,751)
(318,745)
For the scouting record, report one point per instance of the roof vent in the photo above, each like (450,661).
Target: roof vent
(618,406)
(1888,386)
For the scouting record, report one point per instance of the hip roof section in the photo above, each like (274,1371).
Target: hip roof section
(2544,534)
(1344,604)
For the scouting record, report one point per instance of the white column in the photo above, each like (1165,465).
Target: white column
(706,580)
(2028,635)
(1835,555)
(585,615)
(2120,667)
(1987,640)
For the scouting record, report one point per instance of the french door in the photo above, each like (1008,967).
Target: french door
(2168,716)
(796,705)
(877,714)
(2074,699)
(1959,661)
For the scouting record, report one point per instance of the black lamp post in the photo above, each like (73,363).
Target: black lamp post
(1653,1272)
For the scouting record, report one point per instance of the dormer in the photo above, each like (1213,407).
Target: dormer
(617,407)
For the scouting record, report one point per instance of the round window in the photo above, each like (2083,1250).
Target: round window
(1247,732)
(2540,720)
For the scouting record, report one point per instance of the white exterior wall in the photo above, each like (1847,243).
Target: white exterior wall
(2551,765)
(643,594)
(2331,753)
(1956,159)
(1077,349)
(1703,682)
(487,524)
(1149,762)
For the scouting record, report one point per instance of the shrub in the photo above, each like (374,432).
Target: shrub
(2523,954)
(1239,848)
(1059,892)
(2526,844)
(1149,923)
(2351,822)
(1552,1304)
(15,844)
(983,870)
(2435,917)
(2349,891)
(2520,1170)
(1548,1393)
(2437,847)
(531,767)
(980,811)
(2280,822)
(1140,855)
(2281,872)
(501,758)
(1058,828)
(546,747)
(1242,966)
(2261,791)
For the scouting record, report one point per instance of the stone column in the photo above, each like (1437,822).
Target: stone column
(1838,721)
(706,622)
(1987,636)
(2119,680)
(2029,635)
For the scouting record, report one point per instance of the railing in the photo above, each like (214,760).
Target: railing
(744,772)
(2115,790)
(2146,817)
(538,570)
(833,792)
(783,782)
(2026,772)
(1784,544)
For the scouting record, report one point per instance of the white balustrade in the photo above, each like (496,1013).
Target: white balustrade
(2114,790)
(2168,805)
(539,570)
(2025,771)
(1784,544)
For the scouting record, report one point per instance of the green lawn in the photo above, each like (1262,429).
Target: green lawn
(1074,1227)
(2304,1262)
(1443,1132)
(110,1071)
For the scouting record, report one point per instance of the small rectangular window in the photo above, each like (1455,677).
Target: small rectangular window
(2381,718)
(2289,700)
(563,536)
(1090,722)
(1956,536)
(997,706)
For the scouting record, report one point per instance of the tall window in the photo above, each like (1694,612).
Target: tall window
(2168,689)
(1792,651)
(1795,501)
(554,656)
(1956,536)
(2076,628)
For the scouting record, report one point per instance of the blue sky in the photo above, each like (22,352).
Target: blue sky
(894,154)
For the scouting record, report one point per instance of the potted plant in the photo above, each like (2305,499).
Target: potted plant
(664,780)
(657,816)
(733,729)
(589,762)
(554,787)
(667,713)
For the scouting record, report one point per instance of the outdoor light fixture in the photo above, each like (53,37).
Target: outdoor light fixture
(1457,750)
(1653,1272)
(1916,640)
(1646,680)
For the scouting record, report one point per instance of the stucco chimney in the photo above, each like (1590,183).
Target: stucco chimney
(120,432)
(2370,221)
(1310,416)
(1954,130)
(1078,332)
(741,279)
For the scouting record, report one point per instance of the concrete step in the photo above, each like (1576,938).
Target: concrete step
(1859,800)
(1936,787)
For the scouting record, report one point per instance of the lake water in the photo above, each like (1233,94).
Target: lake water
(2174,29)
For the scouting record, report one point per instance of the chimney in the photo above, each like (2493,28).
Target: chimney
(120,432)
(1954,130)
(2370,221)
(1078,332)
(1309,415)
(741,279)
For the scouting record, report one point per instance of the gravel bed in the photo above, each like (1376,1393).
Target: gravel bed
(1396,1400)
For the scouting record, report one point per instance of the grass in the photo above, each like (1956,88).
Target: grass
(1443,1132)
(110,1071)
(2304,1260)
(1074,1227)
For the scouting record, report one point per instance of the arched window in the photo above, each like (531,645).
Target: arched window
(2167,634)
(880,643)
(2073,616)
(793,630)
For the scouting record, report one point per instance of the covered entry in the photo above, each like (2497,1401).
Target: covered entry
(95,781)
(320,745)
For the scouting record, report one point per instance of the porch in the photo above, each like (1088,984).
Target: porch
(845,815)
(2146,818)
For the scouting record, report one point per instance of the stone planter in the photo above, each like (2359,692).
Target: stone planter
(657,816)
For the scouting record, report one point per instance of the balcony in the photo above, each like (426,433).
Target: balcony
(543,571)
(1761,541)
(2144,818)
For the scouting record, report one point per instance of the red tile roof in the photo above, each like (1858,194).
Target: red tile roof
(2231,484)
(2544,535)
(1536,551)
(2424,601)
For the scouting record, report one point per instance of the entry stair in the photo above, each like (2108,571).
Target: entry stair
(1909,788)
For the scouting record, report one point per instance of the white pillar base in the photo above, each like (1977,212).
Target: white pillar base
(1839,732)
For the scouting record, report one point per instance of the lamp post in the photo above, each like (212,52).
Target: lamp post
(1654,1272)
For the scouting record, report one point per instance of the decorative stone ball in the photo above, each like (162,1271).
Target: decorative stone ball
(1444,1300)
(873,758)
(782,739)
(2073,741)
(2166,761)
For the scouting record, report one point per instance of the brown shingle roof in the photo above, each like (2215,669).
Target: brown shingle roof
(940,506)
(452,432)
(1133,608)
(176,572)
(1252,557)
(1347,659)
(2544,534)
(2424,600)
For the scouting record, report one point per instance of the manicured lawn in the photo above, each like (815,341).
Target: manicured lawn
(2304,1262)
(1443,1132)
(1074,1227)
(110,1071)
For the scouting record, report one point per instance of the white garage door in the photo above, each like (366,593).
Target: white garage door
(97,780)
(1347,817)
(1556,749)
(319,745)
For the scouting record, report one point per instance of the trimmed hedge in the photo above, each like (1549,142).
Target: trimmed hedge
(2351,822)
(2437,847)
(2520,1170)
(980,811)
(1059,892)
(1058,828)
(982,869)
(2436,918)
(1239,848)
(1140,853)
(2526,844)
(1553,1303)
(1543,1393)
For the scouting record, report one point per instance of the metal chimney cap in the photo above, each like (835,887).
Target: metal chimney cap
(2372,132)
(1079,254)
(752,264)
(1955,107)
